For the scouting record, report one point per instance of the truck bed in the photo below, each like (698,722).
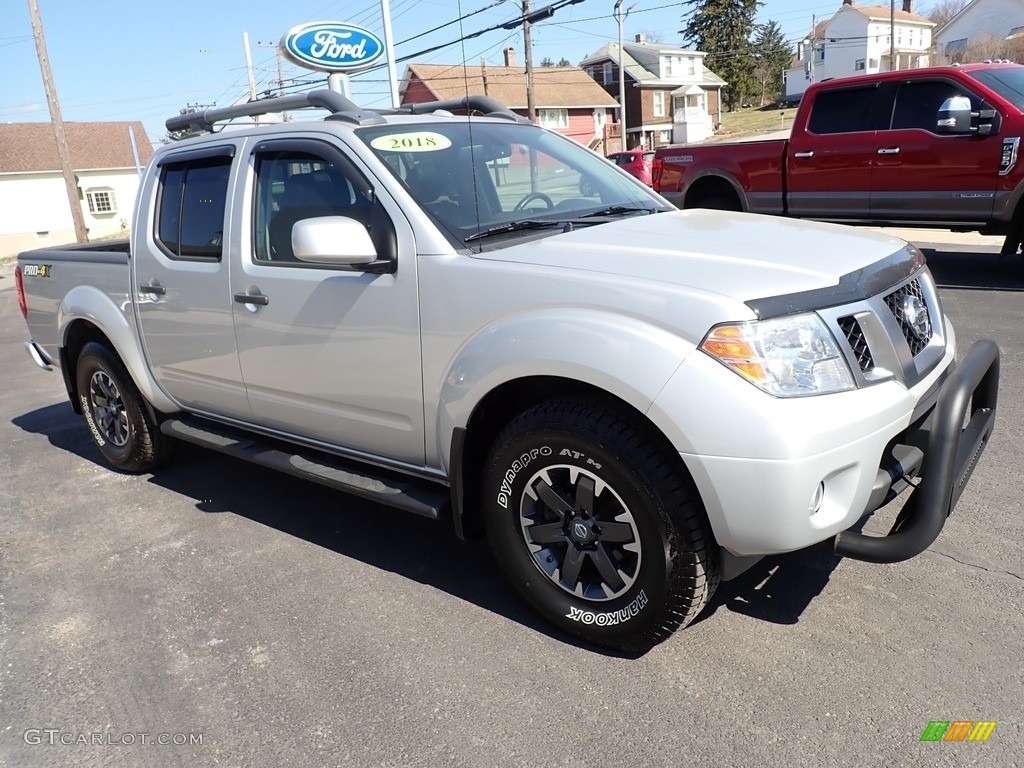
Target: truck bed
(50,274)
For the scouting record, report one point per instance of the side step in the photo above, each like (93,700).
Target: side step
(391,488)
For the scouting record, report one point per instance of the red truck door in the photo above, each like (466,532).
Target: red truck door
(921,175)
(831,153)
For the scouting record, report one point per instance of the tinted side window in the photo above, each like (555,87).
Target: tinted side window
(292,185)
(193,196)
(842,111)
(917,103)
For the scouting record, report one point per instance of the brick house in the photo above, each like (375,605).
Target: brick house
(566,99)
(671,97)
(33,200)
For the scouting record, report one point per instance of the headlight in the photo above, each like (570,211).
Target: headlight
(786,357)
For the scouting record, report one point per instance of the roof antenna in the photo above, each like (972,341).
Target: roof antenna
(469,121)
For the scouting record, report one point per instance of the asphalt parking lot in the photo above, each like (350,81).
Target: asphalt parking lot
(246,618)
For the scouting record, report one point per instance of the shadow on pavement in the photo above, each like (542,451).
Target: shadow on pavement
(776,590)
(975,268)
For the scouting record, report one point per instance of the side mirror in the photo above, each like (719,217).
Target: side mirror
(336,240)
(954,116)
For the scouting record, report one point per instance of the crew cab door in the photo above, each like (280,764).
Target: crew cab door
(180,274)
(921,175)
(830,156)
(327,352)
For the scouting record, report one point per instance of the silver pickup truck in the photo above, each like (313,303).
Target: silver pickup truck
(471,318)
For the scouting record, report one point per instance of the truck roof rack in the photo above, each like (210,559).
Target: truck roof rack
(338,105)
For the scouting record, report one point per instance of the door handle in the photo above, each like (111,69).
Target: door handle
(804,154)
(156,290)
(252,298)
(889,151)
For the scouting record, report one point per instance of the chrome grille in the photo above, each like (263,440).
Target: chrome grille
(896,301)
(855,336)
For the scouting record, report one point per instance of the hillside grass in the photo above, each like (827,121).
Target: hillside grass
(756,120)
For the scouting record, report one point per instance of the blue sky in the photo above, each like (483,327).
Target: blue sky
(120,60)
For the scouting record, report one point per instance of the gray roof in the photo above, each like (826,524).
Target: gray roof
(640,61)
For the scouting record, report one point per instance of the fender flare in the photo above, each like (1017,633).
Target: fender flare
(117,323)
(625,356)
(718,173)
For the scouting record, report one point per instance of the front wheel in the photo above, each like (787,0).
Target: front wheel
(597,526)
(115,413)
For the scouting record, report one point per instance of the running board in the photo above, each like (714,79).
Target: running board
(391,488)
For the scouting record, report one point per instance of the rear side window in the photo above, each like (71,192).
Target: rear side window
(190,210)
(846,110)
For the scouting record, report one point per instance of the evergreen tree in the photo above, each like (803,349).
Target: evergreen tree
(773,55)
(722,29)
(564,62)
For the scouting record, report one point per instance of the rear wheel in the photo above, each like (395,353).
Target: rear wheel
(115,412)
(597,526)
(719,203)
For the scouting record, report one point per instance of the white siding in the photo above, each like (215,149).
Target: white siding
(982,18)
(34,203)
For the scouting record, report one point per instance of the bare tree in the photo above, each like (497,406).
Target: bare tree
(944,10)
(653,35)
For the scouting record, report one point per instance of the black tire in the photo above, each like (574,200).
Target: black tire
(645,520)
(115,412)
(719,203)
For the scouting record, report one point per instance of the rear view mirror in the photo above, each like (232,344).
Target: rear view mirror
(954,116)
(336,240)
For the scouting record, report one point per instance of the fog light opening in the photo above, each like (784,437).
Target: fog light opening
(816,499)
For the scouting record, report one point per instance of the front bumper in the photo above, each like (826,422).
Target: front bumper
(951,454)
(760,463)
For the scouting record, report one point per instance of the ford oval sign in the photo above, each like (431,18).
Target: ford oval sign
(331,46)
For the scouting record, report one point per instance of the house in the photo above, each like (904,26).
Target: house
(671,97)
(33,198)
(984,29)
(566,100)
(860,40)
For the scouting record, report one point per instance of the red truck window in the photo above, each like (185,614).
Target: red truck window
(845,110)
(917,103)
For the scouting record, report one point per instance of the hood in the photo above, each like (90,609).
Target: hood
(742,256)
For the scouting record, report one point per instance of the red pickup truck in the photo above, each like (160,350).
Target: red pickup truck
(934,147)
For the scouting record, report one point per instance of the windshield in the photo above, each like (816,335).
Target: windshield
(1008,83)
(481,178)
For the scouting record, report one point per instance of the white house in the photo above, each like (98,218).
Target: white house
(988,28)
(34,209)
(859,40)
(671,97)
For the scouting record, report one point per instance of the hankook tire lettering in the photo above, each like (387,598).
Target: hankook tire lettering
(609,619)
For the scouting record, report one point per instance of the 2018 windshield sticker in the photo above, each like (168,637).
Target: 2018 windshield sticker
(420,141)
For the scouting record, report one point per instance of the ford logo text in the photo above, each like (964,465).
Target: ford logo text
(331,46)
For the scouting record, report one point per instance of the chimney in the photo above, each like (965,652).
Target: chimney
(642,38)
(847,2)
(906,6)
(510,57)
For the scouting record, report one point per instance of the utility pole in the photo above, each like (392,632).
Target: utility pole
(531,105)
(280,72)
(892,35)
(58,125)
(389,48)
(622,81)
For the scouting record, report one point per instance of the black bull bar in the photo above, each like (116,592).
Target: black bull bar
(952,454)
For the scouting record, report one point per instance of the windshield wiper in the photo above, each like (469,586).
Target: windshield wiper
(616,210)
(514,226)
